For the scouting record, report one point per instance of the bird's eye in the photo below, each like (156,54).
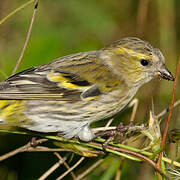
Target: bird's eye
(144,62)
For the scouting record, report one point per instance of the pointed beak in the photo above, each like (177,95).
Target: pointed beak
(165,74)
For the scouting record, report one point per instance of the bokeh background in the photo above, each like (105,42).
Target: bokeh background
(70,26)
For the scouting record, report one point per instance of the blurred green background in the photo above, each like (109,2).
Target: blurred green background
(69,26)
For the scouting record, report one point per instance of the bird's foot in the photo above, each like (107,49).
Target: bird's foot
(111,134)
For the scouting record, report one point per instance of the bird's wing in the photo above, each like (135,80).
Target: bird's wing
(69,78)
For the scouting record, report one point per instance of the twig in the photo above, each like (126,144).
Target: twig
(134,104)
(103,128)
(169,117)
(15,11)
(21,149)
(69,170)
(27,37)
(136,154)
(65,164)
(81,176)
(146,153)
(109,122)
(45,149)
(29,148)
(52,169)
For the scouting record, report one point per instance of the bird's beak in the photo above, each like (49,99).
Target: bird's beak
(164,73)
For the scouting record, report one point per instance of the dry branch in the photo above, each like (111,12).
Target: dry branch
(169,117)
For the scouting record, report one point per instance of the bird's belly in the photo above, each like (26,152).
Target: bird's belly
(109,106)
(54,114)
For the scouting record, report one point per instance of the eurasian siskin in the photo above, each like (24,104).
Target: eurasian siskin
(69,93)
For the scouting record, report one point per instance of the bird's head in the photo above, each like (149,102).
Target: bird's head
(135,61)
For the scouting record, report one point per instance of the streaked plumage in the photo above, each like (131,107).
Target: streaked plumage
(69,93)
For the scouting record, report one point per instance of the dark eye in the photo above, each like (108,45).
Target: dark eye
(144,62)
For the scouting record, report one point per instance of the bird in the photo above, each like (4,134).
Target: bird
(67,94)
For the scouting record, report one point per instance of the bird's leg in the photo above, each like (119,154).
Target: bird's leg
(105,144)
(120,129)
(108,133)
(111,134)
(33,142)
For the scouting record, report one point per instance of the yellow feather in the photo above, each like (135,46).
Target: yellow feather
(132,52)
(12,111)
(62,81)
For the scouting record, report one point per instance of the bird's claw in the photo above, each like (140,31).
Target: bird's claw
(111,134)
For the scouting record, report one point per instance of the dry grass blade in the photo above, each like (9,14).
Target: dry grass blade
(15,11)
(85,173)
(69,170)
(119,172)
(65,164)
(27,38)
(52,169)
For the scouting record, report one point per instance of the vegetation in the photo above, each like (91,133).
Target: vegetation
(65,27)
